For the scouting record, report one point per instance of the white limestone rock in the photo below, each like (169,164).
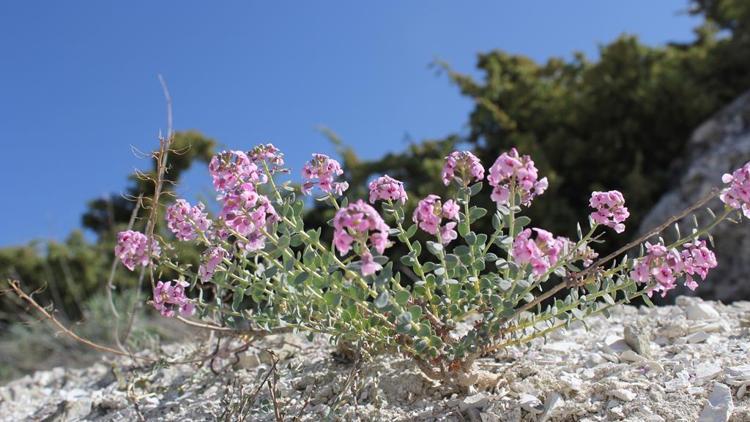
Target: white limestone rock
(720,405)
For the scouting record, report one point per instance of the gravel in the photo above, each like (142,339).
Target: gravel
(685,362)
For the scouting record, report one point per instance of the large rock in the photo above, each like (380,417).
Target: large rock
(718,146)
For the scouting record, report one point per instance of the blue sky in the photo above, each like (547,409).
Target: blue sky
(78,80)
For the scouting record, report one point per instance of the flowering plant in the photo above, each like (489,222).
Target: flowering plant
(449,300)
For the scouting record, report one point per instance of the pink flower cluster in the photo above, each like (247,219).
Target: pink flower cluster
(211,259)
(388,189)
(244,211)
(667,265)
(609,209)
(271,155)
(518,173)
(132,249)
(359,222)
(542,252)
(737,194)
(323,169)
(463,163)
(247,213)
(170,298)
(430,213)
(230,169)
(187,221)
(584,253)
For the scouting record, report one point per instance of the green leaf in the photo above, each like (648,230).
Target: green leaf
(434,248)
(476,213)
(463,227)
(521,222)
(298,206)
(239,295)
(415,312)
(411,231)
(451,259)
(592,287)
(332,299)
(382,299)
(429,266)
(314,235)
(462,250)
(284,242)
(402,297)
(417,248)
(301,278)
(497,221)
(475,188)
(407,260)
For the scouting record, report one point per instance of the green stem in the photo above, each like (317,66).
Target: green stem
(511,227)
(474,271)
(417,264)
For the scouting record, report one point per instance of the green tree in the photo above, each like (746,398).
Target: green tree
(619,122)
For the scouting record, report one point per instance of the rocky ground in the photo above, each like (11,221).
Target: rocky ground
(678,363)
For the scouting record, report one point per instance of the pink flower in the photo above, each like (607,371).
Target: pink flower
(609,209)
(511,171)
(541,253)
(186,221)
(387,188)
(211,259)
(321,171)
(447,232)
(697,259)
(369,266)
(269,154)
(247,213)
(584,252)
(429,215)
(230,169)
(657,250)
(170,299)
(132,249)
(641,273)
(665,266)
(359,223)
(450,210)
(737,194)
(664,275)
(462,165)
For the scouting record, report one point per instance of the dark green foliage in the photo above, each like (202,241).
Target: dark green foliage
(621,122)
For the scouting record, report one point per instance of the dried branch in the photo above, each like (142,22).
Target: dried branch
(580,278)
(161,169)
(251,399)
(15,286)
(233,331)
(272,391)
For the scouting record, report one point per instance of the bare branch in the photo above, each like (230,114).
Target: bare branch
(65,330)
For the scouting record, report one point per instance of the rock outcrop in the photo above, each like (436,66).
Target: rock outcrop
(718,146)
